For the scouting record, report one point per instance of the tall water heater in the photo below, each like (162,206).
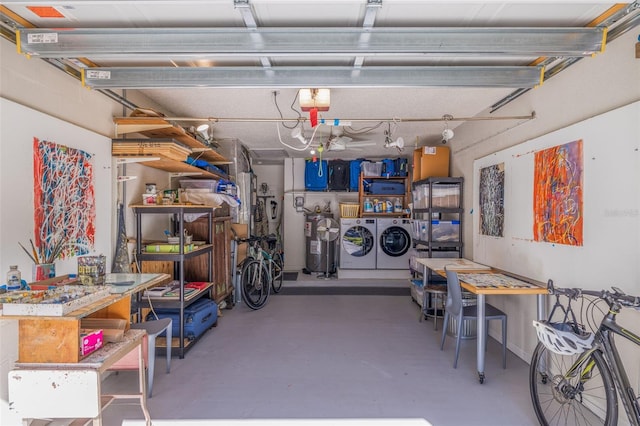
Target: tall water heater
(319,253)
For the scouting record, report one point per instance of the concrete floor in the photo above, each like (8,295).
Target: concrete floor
(329,356)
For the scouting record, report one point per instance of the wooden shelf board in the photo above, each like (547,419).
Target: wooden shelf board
(398,215)
(161,342)
(156,127)
(385,177)
(174,166)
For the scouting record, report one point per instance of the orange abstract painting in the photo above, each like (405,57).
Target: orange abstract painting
(557,194)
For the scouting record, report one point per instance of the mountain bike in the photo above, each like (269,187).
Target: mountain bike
(271,249)
(277,271)
(574,371)
(260,272)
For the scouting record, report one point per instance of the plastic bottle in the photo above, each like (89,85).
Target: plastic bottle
(368,205)
(388,206)
(14,278)
(397,206)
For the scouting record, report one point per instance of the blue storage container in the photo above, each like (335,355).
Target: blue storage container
(386,187)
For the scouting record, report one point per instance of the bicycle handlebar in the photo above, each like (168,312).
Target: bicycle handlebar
(617,296)
(255,238)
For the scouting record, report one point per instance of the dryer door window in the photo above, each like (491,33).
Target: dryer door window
(358,241)
(395,241)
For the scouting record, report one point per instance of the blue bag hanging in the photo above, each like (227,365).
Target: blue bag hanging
(354,173)
(315,175)
(388,168)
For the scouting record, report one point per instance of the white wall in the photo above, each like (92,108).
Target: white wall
(35,85)
(272,176)
(293,221)
(19,126)
(587,89)
(610,212)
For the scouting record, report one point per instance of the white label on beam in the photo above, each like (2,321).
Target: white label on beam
(99,75)
(42,38)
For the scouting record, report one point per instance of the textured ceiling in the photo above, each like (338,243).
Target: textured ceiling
(376,106)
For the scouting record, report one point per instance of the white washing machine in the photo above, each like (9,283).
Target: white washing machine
(358,243)
(394,242)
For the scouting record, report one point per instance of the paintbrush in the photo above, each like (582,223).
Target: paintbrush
(60,248)
(35,252)
(55,252)
(28,254)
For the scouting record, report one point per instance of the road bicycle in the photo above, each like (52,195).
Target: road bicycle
(261,271)
(574,371)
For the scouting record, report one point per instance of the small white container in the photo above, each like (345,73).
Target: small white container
(149,199)
(14,278)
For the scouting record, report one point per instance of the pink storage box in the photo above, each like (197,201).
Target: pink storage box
(90,341)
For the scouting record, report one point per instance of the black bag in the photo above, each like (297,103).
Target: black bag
(401,167)
(339,171)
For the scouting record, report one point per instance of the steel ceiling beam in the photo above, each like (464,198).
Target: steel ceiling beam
(619,19)
(249,18)
(242,77)
(367,23)
(175,43)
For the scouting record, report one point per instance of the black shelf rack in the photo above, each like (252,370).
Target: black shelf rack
(178,213)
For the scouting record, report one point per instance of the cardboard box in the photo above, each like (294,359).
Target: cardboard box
(90,341)
(242,231)
(430,161)
(112,328)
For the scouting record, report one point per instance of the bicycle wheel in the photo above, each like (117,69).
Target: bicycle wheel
(586,397)
(277,272)
(255,284)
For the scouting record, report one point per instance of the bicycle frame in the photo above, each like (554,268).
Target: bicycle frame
(606,344)
(608,328)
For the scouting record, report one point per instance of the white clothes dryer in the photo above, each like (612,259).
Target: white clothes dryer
(394,243)
(358,243)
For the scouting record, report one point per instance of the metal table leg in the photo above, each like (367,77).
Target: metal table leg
(482,343)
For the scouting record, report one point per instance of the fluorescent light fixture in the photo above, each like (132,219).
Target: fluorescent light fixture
(314,98)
